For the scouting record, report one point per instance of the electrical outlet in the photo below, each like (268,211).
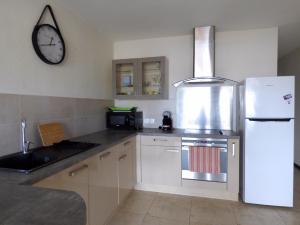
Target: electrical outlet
(146,121)
(149,121)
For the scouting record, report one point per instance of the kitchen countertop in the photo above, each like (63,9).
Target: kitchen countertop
(189,133)
(22,203)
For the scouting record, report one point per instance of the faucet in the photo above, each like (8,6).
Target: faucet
(24,143)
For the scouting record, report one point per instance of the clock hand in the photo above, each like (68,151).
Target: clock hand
(47,45)
(51,40)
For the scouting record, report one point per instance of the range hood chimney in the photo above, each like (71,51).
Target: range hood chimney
(204,59)
(204,51)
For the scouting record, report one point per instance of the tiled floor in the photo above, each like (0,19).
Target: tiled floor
(147,208)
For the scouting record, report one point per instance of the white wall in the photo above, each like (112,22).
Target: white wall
(85,72)
(239,54)
(289,65)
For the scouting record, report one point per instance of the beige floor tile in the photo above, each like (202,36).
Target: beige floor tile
(125,218)
(172,207)
(290,216)
(138,202)
(260,215)
(213,203)
(150,220)
(182,200)
(214,212)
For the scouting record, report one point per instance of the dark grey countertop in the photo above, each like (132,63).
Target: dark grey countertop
(28,205)
(23,204)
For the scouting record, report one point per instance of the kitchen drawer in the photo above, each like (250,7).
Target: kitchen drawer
(161,141)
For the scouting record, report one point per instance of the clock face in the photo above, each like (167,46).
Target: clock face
(48,44)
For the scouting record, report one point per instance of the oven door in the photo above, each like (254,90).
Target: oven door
(204,159)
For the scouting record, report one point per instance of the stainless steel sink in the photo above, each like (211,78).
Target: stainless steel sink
(41,157)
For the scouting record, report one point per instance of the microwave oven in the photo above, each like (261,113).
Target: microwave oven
(124,120)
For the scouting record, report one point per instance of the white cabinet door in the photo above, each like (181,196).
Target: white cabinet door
(233,165)
(75,178)
(161,165)
(268,156)
(270,97)
(126,177)
(103,188)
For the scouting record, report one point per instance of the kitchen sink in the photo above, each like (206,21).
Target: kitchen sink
(29,161)
(41,157)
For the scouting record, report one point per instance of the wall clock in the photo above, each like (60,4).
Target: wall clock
(47,40)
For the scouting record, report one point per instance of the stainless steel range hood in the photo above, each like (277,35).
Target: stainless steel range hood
(204,59)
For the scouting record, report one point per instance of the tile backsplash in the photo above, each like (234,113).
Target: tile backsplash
(79,117)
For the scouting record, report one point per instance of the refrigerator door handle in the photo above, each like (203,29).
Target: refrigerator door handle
(271,120)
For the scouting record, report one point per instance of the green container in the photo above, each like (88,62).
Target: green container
(122,109)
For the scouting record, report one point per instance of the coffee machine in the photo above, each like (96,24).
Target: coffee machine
(167,123)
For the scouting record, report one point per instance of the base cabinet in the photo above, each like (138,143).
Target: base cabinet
(126,170)
(103,186)
(103,181)
(161,165)
(74,179)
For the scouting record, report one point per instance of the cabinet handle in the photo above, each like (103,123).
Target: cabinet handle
(122,157)
(127,143)
(74,172)
(101,157)
(233,149)
(172,150)
(155,139)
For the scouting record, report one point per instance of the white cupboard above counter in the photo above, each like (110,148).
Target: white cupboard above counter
(161,161)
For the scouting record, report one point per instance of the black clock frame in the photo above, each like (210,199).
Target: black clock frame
(35,35)
(37,48)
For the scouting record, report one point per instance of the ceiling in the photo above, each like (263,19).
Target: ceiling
(135,19)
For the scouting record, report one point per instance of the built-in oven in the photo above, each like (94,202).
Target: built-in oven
(204,159)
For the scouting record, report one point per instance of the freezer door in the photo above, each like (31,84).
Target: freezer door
(270,97)
(268,163)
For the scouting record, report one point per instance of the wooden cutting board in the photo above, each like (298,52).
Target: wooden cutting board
(51,133)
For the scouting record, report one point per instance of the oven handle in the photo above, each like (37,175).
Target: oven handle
(197,144)
(172,150)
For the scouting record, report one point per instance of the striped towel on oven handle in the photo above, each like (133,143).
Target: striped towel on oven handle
(204,159)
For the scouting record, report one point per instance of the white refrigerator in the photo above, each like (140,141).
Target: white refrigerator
(268,140)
